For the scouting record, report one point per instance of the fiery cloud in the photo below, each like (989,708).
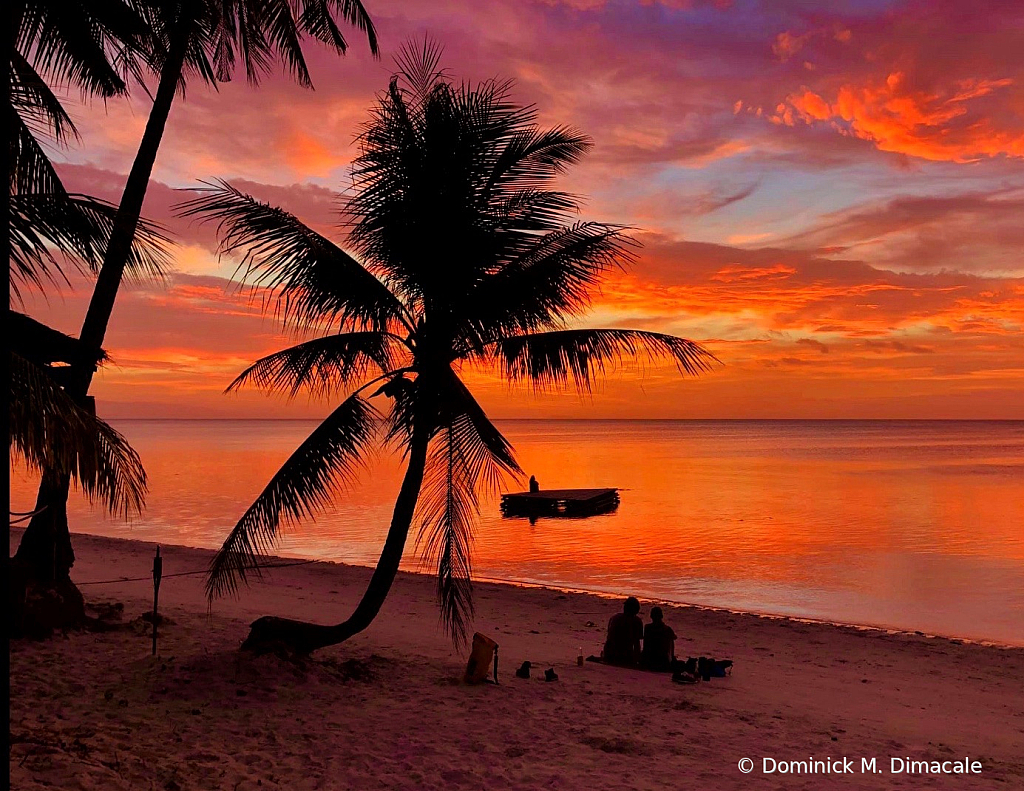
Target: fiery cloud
(897,118)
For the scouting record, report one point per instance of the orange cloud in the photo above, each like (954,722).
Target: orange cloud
(934,125)
(810,106)
(732,274)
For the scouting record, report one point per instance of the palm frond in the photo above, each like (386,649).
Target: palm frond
(318,19)
(419,66)
(267,28)
(329,458)
(398,423)
(578,357)
(520,216)
(256,32)
(322,365)
(315,282)
(447,509)
(37,104)
(78,228)
(550,281)
(224,34)
(279,31)
(491,456)
(532,157)
(468,455)
(29,167)
(49,431)
(385,180)
(75,43)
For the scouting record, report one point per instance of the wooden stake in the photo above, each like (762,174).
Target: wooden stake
(158,571)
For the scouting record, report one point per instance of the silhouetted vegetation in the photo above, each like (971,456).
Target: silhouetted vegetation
(177,41)
(50,229)
(462,255)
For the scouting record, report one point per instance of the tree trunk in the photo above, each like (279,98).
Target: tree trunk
(270,633)
(40,599)
(129,211)
(44,546)
(45,551)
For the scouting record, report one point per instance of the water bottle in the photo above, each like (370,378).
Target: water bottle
(579,657)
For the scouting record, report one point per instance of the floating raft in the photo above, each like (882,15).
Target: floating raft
(560,502)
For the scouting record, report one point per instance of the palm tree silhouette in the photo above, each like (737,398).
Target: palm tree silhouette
(182,39)
(48,227)
(465,257)
(49,429)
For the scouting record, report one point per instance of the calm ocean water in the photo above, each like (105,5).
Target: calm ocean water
(911,525)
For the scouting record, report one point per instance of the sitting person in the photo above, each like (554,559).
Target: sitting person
(534,486)
(659,644)
(625,630)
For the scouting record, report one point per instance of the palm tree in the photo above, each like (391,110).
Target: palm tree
(204,38)
(51,431)
(466,257)
(190,38)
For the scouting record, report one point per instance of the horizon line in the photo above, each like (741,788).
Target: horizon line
(624,419)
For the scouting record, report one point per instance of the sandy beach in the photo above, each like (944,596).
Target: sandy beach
(95,710)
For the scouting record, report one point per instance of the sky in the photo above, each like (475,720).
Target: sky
(828,194)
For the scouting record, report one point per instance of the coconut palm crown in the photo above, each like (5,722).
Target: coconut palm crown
(70,46)
(462,255)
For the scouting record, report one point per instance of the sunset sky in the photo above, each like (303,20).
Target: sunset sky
(825,193)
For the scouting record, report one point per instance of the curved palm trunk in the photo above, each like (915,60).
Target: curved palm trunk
(45,550)
(269,632)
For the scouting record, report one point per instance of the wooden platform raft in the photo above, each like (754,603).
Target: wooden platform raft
(560,502)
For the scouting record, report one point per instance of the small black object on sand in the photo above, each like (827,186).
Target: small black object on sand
(701,669)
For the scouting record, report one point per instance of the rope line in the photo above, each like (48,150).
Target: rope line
(191,573)
(25,515)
